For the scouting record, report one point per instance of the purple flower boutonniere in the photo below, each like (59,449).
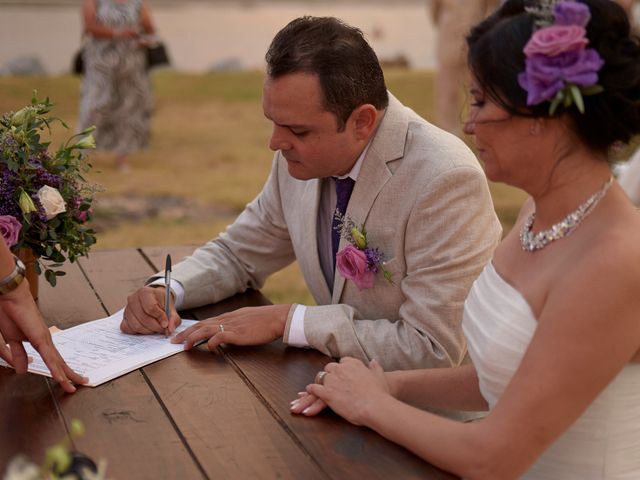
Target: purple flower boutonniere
(358,261)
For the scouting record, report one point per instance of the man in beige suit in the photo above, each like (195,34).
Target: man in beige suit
(419,192)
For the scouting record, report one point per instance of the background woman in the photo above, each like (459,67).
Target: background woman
(116,90)
(553,322)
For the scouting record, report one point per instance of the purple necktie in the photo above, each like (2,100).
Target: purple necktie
(344,187)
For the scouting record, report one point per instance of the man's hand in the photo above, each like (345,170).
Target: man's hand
(145,314)
(246,326)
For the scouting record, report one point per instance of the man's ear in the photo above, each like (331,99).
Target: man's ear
(364,120)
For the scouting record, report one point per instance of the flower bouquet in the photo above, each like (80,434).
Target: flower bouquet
(61,462)
(45,202)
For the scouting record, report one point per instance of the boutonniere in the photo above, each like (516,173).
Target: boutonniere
(358,261)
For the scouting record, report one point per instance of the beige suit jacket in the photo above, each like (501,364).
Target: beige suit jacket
(425,204)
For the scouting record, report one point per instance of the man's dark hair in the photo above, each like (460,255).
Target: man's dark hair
(346,65)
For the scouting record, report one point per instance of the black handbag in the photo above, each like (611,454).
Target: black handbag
(157,55)
(77,64)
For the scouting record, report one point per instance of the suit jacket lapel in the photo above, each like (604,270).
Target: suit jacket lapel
(387,145)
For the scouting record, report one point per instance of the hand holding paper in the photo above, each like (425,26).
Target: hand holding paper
(101,351)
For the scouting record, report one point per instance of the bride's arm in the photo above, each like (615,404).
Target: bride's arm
(445,388)
(441,388)
(587,332)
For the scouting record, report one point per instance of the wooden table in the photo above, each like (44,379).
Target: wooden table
(198,414)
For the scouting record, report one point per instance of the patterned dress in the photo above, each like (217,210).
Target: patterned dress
(116,90)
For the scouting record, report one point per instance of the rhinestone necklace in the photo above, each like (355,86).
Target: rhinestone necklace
(568,224)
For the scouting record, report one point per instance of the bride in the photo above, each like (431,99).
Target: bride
(553,322)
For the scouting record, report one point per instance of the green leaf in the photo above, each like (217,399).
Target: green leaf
(58,458)
(50,276)
(387,276)
(592,90)
(554,104)
(77,427)
(577,97)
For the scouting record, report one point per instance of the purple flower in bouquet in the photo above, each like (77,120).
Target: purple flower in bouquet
(10,229)
(8,205)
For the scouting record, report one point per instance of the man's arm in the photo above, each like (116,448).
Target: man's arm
(450,235)
(253,247)
(256,245)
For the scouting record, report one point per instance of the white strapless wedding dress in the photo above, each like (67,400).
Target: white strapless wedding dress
(604,443)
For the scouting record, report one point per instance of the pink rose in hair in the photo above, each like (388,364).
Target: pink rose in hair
(352,265)
(10,229)
(555,40)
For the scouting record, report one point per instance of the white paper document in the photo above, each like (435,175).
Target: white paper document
(100,351)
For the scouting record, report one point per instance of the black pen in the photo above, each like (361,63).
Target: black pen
(167,290)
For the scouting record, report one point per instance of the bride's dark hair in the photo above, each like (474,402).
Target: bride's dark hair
(496,58)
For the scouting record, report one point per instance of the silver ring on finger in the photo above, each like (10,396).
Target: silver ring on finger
(221,327)
(320,377)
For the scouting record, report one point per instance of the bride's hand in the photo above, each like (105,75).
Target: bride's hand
(351,389)
(307,404)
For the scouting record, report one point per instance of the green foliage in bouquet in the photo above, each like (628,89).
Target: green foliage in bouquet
(45,201)
(61,462)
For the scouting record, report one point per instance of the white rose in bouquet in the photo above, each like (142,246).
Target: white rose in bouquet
(51,201)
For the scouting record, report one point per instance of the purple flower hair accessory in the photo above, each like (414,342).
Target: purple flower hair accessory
(571,13)
(558,65)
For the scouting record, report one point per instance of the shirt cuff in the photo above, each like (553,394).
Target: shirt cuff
(177,289)
(296,336)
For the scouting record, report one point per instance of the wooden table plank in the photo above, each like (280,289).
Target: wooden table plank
(125,423)
(198,414)
(61,306)
(29,421)
(347,451)
(114,274)
(157,255)
(228,429)
(278,373)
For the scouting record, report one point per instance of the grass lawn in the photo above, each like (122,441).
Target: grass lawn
(208,157)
